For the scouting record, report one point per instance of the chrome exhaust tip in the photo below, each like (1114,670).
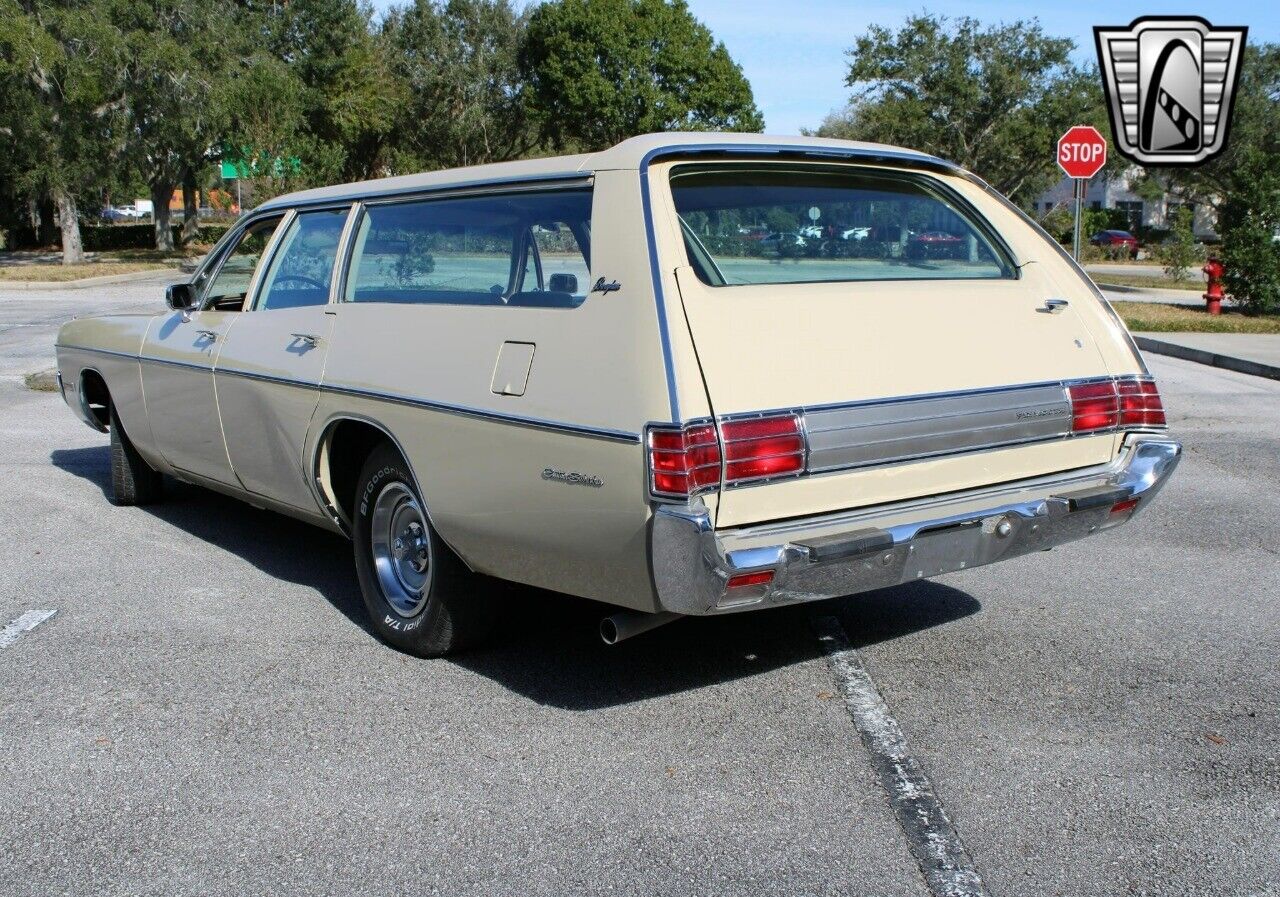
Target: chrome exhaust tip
(625,624)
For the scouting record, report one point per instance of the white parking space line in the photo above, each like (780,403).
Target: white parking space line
(25,623)
(934,842)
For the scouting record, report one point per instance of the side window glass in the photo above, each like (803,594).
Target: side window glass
(563,261)
(303,266)
(226,290)
(473,251)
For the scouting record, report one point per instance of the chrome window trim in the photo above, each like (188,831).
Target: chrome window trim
(498,188)
(458,188)
(1006,260)
(251,220)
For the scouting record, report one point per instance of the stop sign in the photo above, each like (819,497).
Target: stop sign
(1082,151)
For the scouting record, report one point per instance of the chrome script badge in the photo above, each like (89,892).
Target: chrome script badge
(1170,82)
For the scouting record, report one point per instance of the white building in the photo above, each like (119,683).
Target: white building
(1104,192)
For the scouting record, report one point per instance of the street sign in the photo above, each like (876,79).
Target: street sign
(814,213)
(1082,152)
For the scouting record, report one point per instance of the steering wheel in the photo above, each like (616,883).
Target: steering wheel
(304,279)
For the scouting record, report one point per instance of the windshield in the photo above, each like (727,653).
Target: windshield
(747,225)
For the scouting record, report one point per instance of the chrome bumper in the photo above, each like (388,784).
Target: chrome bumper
(856,551)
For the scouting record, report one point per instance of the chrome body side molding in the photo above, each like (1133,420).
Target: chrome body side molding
(444,407)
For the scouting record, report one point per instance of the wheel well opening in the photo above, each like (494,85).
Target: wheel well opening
(96,397)
(346,448)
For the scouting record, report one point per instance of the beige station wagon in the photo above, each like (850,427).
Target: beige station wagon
(691,374)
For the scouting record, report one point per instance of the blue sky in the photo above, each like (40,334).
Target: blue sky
(792,51)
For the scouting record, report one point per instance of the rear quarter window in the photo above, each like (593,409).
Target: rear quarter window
(775,224)
(526,249)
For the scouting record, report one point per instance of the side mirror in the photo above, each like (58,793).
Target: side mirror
(180,296)
(563,283)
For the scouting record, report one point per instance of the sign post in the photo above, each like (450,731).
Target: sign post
(1082,152)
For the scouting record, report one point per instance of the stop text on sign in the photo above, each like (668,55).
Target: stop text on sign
(1082,152)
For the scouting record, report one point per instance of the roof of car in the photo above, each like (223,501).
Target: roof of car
(629,154)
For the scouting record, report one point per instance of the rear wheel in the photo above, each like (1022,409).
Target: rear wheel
(133,480)
(420,596)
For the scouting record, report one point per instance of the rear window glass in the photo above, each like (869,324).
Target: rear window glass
(521,249)
(745,225)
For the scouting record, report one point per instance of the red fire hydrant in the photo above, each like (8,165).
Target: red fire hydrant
(1213,271)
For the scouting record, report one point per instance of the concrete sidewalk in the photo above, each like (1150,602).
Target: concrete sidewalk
(1248,353)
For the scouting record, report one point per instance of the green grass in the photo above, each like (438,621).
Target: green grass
(1159,318)
(65,273)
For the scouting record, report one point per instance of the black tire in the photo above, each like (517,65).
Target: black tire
(133,480)
(455,612)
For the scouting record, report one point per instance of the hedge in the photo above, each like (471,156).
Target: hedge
(105,238)
(109,237)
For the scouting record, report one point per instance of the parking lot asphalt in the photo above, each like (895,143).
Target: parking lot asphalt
(206,712)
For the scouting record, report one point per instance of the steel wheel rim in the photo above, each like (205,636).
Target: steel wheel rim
(401,546)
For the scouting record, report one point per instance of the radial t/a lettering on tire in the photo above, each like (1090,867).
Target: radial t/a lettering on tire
(420,596)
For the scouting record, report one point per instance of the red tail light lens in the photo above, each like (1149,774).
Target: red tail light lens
(1094,406)
(1140,404)
(686,462)
(762,447)
(742,580)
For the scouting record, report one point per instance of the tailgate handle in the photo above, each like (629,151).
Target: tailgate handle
(1054,306)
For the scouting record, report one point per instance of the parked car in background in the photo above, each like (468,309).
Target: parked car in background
(935,244)
(1119,241)
(787,240)
(539,371)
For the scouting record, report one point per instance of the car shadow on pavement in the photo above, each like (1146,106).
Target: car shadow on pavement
(279,546)
(546,646)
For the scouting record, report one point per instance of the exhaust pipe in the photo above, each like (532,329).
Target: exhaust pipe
(627,623)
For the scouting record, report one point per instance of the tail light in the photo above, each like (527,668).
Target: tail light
(1109,404)
(1094,406)
(1140,404)
(692,460)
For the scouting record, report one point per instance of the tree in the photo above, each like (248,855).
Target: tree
(1250,225)
(58,70)
(599,71)
(348,98)
(992,99)
(465,101)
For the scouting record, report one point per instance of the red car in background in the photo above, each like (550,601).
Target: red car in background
(935,244)
(1116,238)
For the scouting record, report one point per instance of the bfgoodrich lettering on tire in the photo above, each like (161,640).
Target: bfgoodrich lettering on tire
(420,597)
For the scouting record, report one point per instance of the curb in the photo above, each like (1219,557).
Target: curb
(86,282)
(1213,359)
(1162,292)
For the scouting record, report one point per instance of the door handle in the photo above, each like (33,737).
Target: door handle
(309,339)
(1054,306)
(210,335)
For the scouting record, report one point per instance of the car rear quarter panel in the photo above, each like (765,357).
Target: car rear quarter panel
(109,346)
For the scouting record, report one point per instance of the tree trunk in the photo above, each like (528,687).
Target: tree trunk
(190,206)
(44,227)
(69,216)
(161,193)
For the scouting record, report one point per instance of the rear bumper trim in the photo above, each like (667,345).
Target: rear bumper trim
(850,552)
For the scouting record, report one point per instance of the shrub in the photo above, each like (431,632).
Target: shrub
(1250,224)
(1179,251)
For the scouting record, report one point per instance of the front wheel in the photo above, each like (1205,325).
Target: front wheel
(133,480)
(420,596)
